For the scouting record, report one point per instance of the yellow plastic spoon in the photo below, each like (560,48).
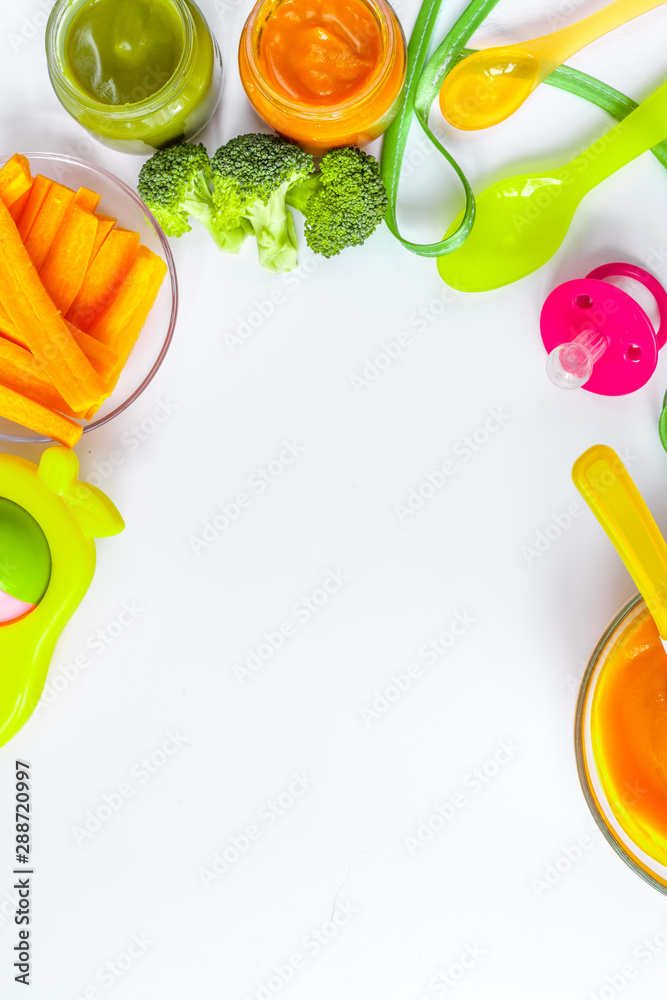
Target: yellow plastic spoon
(488,86)
(607,488)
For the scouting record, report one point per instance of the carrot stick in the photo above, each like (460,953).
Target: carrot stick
(65,267)
(30,308)
(47,223)
(38,192)
(122,321)
(20,371)
(39,418)
(15,165)
(8,328)
(104,226)
(15,179)
(104,277)
(101,357)
(87,199)
(16,208)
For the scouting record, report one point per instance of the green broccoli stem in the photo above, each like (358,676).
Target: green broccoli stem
(274,230)
(232,240)
(202,208)
(299,195)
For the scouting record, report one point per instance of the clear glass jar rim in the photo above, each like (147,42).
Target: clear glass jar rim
(389,21)
(117,112)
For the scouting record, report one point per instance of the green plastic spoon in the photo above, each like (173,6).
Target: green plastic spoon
(488,86)
(520,222)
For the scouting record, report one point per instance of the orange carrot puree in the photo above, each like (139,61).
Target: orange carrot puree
(323,73)
(321,52)
(629,733)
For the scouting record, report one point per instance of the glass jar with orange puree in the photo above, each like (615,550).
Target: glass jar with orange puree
(621,741)
(324,73)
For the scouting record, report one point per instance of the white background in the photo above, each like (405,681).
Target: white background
(479,883)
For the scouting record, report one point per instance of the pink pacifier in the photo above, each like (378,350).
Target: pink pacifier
(598,337)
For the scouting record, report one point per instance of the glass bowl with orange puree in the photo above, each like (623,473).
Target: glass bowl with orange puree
(621,741)
(324,73)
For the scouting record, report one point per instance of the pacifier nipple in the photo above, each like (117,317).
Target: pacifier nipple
(570,366)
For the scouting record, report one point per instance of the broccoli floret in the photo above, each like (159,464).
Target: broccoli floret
(251,177)
(343,203)
(175,184)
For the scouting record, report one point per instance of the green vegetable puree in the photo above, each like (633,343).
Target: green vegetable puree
(139,74)
(123,51)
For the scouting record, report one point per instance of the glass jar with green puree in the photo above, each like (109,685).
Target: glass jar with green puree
(138,74)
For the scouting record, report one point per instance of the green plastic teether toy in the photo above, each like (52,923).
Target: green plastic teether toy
(48,523)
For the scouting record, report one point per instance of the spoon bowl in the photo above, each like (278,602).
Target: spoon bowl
(487,87)
(519,224)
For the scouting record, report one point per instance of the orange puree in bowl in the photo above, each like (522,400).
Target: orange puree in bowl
(324,73)
(321,52)
(629,734)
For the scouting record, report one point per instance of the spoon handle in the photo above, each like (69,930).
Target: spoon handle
(607,488)
(643,129)
(558,46)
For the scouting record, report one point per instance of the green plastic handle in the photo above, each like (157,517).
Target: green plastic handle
(606,486)
(644,128)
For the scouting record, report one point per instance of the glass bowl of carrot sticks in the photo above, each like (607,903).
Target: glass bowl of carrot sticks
(88,297)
